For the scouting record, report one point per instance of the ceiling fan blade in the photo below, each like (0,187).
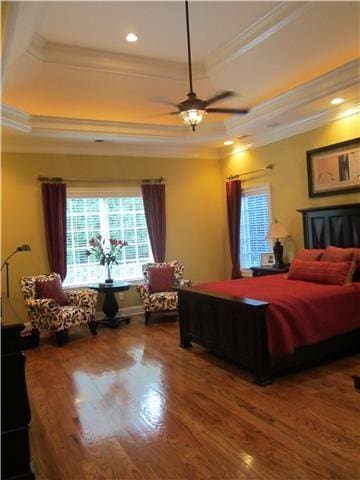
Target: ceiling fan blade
(239,111)
(220,96)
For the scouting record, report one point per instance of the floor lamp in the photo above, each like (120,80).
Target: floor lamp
(22,248)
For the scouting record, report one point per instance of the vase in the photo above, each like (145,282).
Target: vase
(108,267)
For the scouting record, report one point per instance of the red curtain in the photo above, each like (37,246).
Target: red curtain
(154,206)
(54,208)
(233,201)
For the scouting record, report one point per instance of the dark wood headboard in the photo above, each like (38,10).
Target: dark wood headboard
(338,225)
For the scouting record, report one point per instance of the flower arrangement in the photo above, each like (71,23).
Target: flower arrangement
(105,251)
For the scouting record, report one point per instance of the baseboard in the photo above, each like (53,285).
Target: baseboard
(126,312)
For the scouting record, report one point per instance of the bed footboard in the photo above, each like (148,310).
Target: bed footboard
(232,327)
(236,329)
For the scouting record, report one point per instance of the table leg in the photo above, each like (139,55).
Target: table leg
(110,309)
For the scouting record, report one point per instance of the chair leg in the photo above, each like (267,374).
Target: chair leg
(147,317)
(93,327)
(61,337)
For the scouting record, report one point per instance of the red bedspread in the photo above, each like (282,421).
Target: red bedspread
(300,313)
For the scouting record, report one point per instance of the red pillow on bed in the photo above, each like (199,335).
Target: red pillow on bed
(309,254)
(357,257)
(53,290)
(330,273)
(161,279)
(336,254)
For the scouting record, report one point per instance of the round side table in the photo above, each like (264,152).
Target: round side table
(110,305)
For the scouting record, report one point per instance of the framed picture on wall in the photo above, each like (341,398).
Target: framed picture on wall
(267,259)
(334,169)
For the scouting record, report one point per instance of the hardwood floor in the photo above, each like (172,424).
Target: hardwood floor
(130,404)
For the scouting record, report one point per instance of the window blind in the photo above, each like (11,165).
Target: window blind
(254,225)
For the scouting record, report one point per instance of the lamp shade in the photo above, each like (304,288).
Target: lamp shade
(276,230)
(192,117)
(24,248)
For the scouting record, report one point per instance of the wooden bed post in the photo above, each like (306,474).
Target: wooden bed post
(262,357)
(183,323)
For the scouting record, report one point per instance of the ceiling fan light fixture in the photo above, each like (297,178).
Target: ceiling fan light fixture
(192,117)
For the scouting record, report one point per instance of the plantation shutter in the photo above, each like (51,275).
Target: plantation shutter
(111,213)
(254,225)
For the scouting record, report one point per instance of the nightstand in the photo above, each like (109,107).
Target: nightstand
(268,270)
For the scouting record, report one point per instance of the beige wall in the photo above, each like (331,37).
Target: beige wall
(288,179)
(195,216)
(196,221)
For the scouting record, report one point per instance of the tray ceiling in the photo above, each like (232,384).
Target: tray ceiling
(66,61)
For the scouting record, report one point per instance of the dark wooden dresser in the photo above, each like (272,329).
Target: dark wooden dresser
(15,410)
(267,270)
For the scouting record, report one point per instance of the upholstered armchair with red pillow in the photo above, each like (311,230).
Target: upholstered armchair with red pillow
(156,292)
(51,308)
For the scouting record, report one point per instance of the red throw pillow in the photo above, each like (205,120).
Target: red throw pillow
(332,273)
(309,254)
(161,279)
(335,254)
(357,257)
(356,276)
(52,289)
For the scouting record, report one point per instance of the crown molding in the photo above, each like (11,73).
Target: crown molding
(277,18)
(21,22)
(103,61)
(121,132)
(325,85)
(15,118)
(285,131)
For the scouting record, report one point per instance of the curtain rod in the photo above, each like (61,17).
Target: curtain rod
(234,177)
(60,179)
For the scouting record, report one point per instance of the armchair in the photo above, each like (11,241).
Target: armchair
(161,301)
(47,314)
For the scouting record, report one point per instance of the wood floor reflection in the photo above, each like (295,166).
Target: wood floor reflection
(130,404)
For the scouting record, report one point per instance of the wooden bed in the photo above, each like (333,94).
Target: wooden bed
(236,327)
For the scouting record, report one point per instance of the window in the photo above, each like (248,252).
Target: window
(254,225)
(112,214)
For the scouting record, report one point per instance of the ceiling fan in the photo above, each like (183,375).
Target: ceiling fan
(193,109)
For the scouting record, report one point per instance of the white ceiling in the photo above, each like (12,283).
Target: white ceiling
(160,26)
(69,76)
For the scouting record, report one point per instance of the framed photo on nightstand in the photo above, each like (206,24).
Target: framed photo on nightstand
(267,259)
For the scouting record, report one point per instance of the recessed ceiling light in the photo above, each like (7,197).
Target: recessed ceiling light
(131,37)
(337,101)
(228,142)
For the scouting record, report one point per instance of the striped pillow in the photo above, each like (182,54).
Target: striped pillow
(336,254)
(330,273)
(309,254)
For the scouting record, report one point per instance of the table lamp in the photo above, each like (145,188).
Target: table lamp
(276,231)
(21,248)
